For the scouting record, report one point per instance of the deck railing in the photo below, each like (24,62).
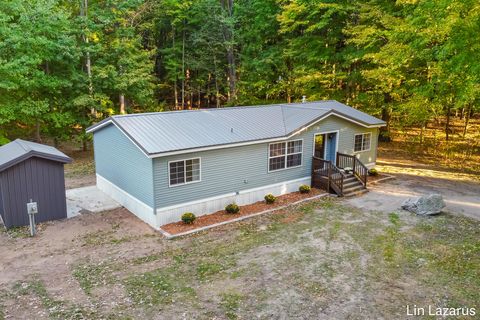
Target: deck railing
(326,175)
(357,167)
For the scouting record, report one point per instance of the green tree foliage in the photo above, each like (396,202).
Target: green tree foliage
(65,65)
(38,54)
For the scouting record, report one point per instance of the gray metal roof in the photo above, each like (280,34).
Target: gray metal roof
(20,150)
(162,132)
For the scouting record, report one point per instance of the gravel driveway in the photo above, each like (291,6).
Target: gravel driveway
(462,195)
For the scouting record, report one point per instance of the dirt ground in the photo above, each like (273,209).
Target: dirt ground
(461,191)
(326,259)
(81,172)
(355,258)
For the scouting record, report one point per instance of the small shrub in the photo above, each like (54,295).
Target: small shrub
(304,188)
(232,208)
(373,172)
(188,218)
(270,198)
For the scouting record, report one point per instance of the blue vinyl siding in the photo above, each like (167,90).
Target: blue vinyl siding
(234,169)
(119,161)
(223,171)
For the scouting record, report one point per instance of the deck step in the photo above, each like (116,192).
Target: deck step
(355,193)
(352,183)
(353,188)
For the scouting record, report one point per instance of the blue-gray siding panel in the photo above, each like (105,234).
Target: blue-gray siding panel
(119,161)
(1,199)
(233,169)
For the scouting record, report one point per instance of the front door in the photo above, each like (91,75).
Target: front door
(320,146)
(331,151)
(326,146)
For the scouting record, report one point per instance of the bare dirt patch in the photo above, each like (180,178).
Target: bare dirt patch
(323,259)
(460,190)
(222,215)
(81,172)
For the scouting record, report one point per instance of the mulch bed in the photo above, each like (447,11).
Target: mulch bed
(222,215)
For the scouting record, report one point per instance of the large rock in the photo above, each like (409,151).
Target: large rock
(425,205)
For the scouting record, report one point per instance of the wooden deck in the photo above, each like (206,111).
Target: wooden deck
(346,177)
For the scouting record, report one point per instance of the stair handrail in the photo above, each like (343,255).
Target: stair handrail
(358,168)
(335,176)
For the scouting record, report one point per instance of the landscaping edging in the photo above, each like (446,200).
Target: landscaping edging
(172,236)
(388,177)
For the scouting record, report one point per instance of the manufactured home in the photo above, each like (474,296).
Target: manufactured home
(161,165)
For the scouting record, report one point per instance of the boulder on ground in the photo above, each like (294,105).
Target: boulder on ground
(425,205)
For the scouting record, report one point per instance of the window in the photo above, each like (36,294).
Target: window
(285,155)
(362,142)
(184,171)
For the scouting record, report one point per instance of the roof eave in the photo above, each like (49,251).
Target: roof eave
(99,125)
(32,154)
(111,120)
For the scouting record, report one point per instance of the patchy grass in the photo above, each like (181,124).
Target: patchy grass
(146,259)
(57,309)
(311,261)
(90,275)
(17,232)
(103,237)
(158,287)
(230,304)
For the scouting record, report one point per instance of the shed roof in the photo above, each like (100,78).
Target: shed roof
(162,132)
(20,150)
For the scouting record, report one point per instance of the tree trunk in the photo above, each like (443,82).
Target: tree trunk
(191,99)
(217,92)
(385,131)
(422,130)
(232,76)
(88,64)
(199,101)
(447,124)
(183,66)
(208,89)
(467,119)
(122,104)
(229,38)
(38,137)
(175,89)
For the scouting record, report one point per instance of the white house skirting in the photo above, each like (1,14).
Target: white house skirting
(213,204)
(135,206)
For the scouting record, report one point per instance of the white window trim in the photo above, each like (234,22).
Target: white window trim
(286,154)
(185,172)
(362,134)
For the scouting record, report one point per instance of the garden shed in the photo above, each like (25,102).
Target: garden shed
(31,171)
